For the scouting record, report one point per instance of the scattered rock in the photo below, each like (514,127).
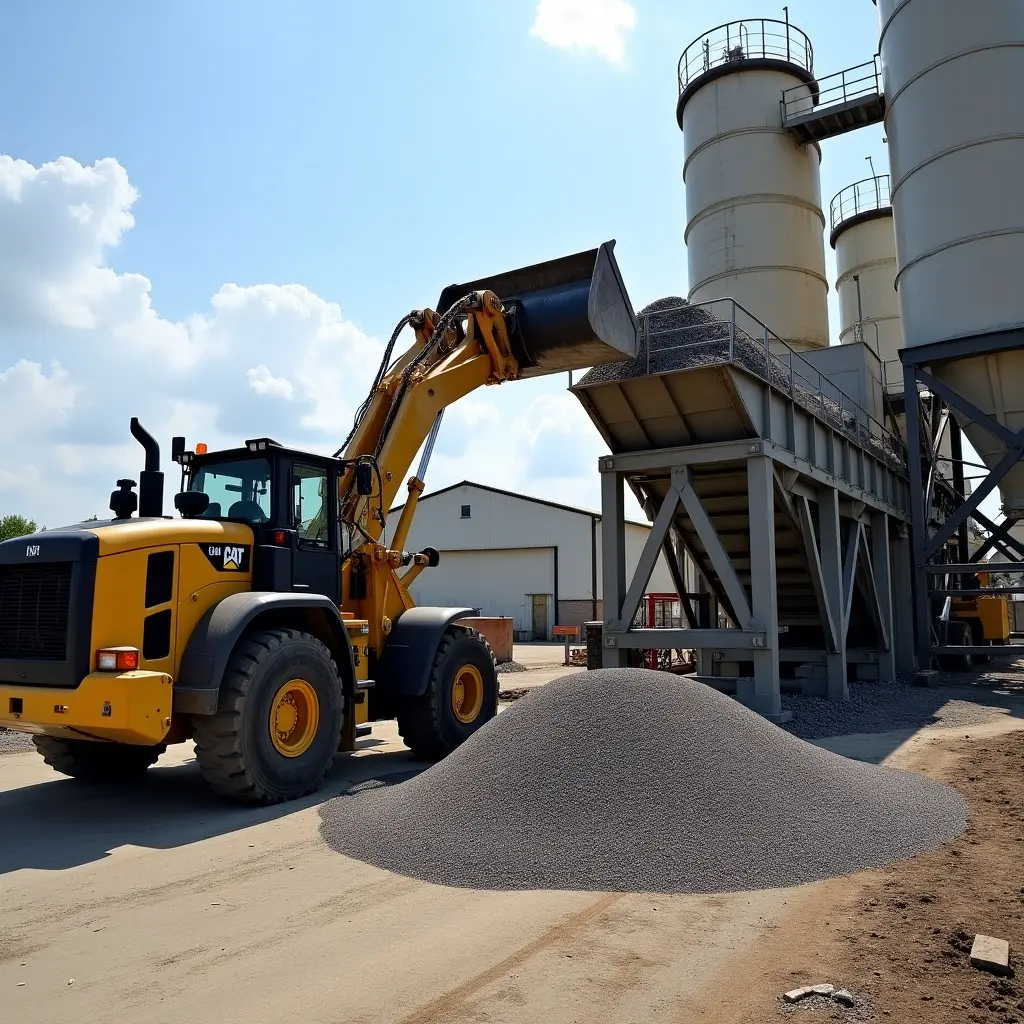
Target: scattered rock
(990,954)
(823,990)
(796,994)
(511,694)
(843,997)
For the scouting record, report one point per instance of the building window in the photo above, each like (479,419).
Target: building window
(465,512)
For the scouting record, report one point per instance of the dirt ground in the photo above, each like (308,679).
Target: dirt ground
(899,938)
(158,902)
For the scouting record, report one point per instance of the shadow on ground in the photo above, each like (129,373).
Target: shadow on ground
(987,693)
(65,823)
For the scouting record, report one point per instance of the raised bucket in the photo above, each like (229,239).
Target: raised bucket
(565,314)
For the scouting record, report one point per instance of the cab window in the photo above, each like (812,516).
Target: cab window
(309,505)
(238,489)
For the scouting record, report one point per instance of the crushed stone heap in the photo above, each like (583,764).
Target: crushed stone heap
(631,780)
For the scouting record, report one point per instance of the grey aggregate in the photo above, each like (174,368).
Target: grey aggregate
(15,742)
(504,667)
(884,706)
(622,780)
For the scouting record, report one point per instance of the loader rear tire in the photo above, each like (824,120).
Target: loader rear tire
(97,762)
(279,724)
(461,696)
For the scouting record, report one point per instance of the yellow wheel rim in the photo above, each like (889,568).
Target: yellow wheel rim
(294,718)
(468,694)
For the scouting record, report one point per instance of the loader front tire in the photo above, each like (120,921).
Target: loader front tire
(461,696)
(279,724)
(97,762)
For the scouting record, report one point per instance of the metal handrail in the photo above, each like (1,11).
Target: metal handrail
(833,90)
(737,336)
(752,39)
(860,197)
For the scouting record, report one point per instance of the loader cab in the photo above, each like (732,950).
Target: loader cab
(285,496)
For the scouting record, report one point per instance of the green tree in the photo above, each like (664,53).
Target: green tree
(15,526)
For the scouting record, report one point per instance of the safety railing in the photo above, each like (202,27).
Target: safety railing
(754,39)
(860,197)
(832,91)
(722,331)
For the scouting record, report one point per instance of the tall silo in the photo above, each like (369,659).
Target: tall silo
(864,239)
(755,228)
(952,75)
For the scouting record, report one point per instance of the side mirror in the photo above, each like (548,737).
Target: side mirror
(191,504)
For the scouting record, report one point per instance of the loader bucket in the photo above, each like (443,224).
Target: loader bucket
(566,314)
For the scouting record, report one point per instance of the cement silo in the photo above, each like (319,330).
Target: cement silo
(952,75)
(865,243)
(755,227)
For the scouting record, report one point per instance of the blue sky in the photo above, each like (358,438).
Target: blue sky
(371,154)
(375,152)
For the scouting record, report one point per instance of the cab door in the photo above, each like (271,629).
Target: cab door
(315,567)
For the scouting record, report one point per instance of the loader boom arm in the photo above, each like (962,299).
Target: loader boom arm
(448,360)
(561,315)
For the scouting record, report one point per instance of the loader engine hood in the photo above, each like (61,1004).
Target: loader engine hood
(59,589)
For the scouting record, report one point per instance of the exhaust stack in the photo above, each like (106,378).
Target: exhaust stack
(151,480)
(566,314)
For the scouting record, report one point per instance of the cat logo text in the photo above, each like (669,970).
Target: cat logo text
(228,557)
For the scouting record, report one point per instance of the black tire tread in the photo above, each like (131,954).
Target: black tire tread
(419,724)
(218,737)
(97,762)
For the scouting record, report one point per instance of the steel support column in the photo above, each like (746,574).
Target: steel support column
(881,565)
(830,538)
(765,695)
(613,555)
(918,521)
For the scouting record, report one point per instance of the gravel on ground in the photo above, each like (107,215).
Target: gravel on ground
(511,666)
(881,707)
(15,742)
(627,780)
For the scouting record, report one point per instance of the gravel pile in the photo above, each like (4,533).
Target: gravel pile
(510,666)
(15,742)
(881,707)
(632,780)
(683,336)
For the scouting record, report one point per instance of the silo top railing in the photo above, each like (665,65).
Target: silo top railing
(754,39)
(860,197)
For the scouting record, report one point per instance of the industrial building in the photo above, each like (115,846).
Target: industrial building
(535,561)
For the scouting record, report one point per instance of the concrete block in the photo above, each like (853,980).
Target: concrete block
(990,954)
(823,990)
(843,997)
(797,994)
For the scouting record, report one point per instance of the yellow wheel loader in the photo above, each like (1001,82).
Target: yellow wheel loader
(271,619)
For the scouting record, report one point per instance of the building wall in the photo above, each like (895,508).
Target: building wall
(504,552)
(495,583)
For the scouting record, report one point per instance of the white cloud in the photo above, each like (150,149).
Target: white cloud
(263,382)
(596,26)
(82,349)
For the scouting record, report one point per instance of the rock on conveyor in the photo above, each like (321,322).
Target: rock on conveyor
(632,780)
